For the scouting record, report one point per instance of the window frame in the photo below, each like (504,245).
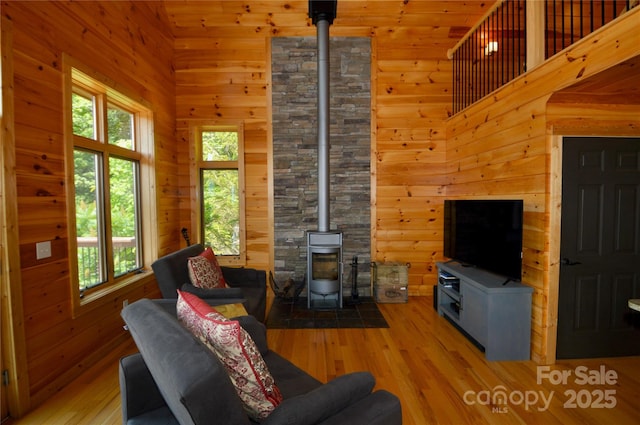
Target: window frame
(80,79)
(196,137)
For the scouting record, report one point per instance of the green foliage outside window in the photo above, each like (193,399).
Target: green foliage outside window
(219,146)
(88,171)
(221,211)
(120,126)
(86,175)
(83,116)
(220,193)
(122,192)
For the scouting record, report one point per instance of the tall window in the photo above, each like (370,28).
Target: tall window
(221,191)
(107,173)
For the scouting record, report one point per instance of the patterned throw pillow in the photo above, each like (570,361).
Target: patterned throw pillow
(236,350)
(206,274)
(211,256)
(202,273)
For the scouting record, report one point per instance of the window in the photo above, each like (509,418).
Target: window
(221,191)
(110,139)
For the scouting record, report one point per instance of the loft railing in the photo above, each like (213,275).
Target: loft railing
(517,34)
(567,21)
(493,54)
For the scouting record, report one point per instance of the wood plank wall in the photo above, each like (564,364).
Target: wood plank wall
(221,78)
(126,42)
(412,103)
(504,146)
(222,72)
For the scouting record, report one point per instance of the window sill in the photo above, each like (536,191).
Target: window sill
(112,293)
(231,260)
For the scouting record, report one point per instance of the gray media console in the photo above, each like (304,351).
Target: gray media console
(495,314)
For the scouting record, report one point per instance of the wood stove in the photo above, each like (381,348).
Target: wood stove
(324,270)
(324,246)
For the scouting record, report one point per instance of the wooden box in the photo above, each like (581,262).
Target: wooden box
(390,282)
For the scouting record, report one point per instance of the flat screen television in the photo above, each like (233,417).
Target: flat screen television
(486,234)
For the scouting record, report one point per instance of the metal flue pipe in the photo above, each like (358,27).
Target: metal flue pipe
(323,125)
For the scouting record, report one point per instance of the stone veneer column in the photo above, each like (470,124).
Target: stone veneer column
(294,93)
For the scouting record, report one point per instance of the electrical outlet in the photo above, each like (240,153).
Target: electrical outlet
(43,250)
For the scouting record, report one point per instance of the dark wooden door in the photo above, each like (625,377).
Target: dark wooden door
(600,247)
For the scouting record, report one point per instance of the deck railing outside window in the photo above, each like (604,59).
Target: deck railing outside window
(494,52)
(124,258)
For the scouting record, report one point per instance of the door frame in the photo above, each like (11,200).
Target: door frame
(554,207)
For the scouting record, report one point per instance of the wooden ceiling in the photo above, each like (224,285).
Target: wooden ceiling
(442,23)
(451,18)
(616,85)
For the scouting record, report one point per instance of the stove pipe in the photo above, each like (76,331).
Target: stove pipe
(322,14)
(323,126)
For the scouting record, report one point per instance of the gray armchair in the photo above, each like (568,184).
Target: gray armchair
(247,286)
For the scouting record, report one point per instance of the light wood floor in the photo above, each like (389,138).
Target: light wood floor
(440,377)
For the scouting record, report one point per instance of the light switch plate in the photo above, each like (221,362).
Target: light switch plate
(43,250)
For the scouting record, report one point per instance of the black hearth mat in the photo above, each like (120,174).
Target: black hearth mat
(289,314)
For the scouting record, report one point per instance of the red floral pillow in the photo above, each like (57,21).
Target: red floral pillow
(211,256)
(236,350)
(205,272)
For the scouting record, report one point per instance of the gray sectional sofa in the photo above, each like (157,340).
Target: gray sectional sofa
(176,379)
